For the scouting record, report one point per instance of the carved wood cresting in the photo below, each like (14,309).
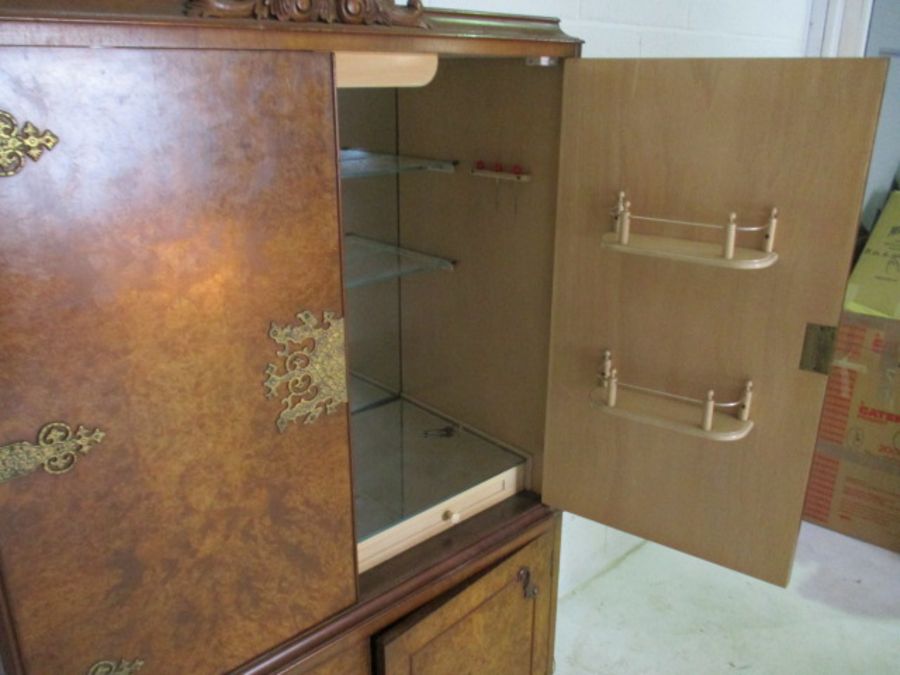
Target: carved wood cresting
(353,12)
(57,449)
(313,369)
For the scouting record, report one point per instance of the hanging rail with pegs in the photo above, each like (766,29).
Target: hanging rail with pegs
(706,417)
(724,254)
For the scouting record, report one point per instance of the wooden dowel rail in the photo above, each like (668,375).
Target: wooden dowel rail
(708,226)
(678,397)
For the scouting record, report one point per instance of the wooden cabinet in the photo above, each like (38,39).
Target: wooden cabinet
(176,483)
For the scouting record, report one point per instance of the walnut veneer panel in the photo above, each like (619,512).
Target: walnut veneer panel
(491,626)
(413,579)
(191,201)
(353,660)
(475,342)
(694,140)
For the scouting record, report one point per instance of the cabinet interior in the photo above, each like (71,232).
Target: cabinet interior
(447,277)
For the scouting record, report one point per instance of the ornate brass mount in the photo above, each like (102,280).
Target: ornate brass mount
(314,370)
(354,12)
(57,450)
(122,667)
(16,144)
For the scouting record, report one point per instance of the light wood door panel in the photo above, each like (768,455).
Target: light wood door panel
(190,203)
(475,342)
(498,624)
(695,140)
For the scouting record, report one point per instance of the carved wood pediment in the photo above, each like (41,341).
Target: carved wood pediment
(353,12)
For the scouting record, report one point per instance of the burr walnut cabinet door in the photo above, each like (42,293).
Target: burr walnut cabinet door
(500,623)
(694,141)
(174,473)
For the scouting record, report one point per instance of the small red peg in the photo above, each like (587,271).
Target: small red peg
(479,165)
(517,170)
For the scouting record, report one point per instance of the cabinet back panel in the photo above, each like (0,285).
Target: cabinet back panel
(191,202)
(475,341)
(368,119)
(695,140)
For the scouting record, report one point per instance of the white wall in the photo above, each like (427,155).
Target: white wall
(654,28)
(664,28)
(884,40)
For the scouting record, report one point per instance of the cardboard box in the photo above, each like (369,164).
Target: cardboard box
(874,286)
(854,483)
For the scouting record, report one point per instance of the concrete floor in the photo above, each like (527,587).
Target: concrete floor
(655,611)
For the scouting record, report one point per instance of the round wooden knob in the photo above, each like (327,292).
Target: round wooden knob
(452,516)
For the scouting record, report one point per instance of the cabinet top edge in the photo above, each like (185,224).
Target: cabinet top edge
(167,26)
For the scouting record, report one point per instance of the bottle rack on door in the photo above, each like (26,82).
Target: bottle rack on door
(703,417)
(718,254)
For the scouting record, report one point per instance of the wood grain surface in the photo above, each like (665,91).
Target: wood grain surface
(354,659)
(475,342)
(488,626)
(408,581)
(695,140)
(191,201)
(162,23)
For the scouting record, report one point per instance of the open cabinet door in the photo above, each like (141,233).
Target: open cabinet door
(695,141)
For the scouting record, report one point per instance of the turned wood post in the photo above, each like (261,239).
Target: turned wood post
(620,209)
(606,369)
(625,228)
(730,236)
(709,407)
(613,389)
(745,401)
(770,231)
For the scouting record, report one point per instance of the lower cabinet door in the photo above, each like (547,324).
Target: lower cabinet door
(499,623)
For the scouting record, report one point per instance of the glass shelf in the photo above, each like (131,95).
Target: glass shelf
(368,261)
(364,164)
(365,395)
(406,460)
